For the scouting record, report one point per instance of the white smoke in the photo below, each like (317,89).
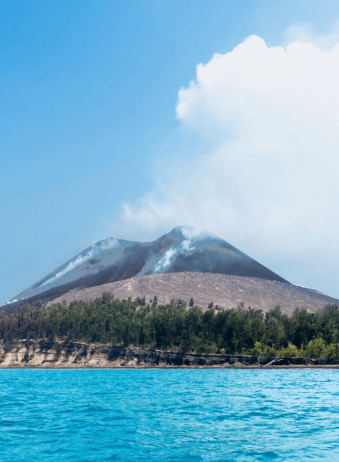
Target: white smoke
(166,259)
(187,245)
(96,249)
(195,234)
(271,179)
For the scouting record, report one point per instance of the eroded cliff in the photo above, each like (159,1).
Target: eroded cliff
(58,354)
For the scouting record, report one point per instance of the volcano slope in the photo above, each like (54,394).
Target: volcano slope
(182,264)
(111,260)
(225,291)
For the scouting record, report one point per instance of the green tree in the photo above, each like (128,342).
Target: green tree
(316,348)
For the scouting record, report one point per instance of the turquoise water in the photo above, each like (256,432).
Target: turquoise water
(169,415)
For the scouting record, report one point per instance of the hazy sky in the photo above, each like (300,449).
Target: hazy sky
(127,119)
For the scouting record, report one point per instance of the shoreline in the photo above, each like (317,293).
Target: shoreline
(122,368)
(50,354)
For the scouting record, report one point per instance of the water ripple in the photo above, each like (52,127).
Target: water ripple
(169,415)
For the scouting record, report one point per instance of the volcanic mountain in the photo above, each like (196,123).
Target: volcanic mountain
(182,250)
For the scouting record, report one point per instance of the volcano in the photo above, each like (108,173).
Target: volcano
(184,249)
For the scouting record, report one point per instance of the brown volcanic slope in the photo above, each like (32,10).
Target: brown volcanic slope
(111,260)
(226,291)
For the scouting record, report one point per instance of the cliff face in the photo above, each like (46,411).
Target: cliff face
(55,354)
(75,355)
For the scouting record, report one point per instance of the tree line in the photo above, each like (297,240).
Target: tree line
(174,327)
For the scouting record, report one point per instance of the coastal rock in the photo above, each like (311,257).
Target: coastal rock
(47,354)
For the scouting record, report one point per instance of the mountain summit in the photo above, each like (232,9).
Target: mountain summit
(110,260)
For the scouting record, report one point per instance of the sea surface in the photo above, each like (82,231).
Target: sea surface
(169,415)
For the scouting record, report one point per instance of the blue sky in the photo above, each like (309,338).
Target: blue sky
(91,144)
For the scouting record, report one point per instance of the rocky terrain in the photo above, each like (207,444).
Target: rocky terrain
(225,291)
(76,355)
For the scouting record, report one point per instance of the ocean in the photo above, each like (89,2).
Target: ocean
(169,415)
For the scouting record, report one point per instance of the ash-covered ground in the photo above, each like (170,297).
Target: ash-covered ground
(226,291)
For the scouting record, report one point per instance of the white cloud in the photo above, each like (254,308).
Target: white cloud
(272,176)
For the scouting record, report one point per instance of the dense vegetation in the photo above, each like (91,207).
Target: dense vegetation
(172,326)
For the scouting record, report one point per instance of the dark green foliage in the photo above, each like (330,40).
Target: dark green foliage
(240,330)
